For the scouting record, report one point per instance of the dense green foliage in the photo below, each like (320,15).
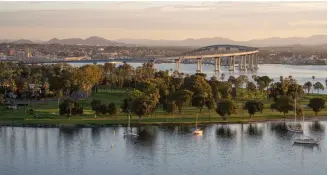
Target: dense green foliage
(253,106)
(317,104)
(70,107)
(226,108)
(147,91)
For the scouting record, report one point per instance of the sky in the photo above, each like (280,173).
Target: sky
(238,21)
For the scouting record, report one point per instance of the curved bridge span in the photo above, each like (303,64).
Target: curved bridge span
(247,57)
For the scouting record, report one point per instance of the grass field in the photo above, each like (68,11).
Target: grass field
(48,113)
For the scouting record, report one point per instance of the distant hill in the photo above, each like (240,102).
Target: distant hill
(23,41)
(91,41)
(190,42)
(312,40)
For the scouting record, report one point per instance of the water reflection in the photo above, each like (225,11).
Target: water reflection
(95,135)
(254,130)
(225,132)
(185,129)
(307,146)
(279,128)
(316,126)
(230,149)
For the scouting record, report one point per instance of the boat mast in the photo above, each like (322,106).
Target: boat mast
(196,120)
(129,123)
(295,109)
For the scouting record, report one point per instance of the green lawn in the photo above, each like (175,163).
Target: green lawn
(47,113)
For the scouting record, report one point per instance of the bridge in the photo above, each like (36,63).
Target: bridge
(248,57)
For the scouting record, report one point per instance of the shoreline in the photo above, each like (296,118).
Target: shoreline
(135,124)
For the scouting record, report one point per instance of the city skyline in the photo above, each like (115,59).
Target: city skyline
(239,21)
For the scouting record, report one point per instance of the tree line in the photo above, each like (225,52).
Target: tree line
(148,89)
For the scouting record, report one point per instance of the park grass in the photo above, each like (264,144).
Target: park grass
(48,113)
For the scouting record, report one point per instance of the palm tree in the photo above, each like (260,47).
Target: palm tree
(318,86)
(232,80)
(313,77)
(222,76)
(307,86)
(70,106)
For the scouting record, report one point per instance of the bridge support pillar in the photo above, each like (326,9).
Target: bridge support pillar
(217,64)
(199,65)
(241,63)
(232,63)
(256,61)
(250,62)
(177,64)
(245,62)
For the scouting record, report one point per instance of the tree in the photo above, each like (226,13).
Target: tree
(171,107)
(253,106)
(215,85)
(126,105)
(182,98)
(96,106)
(198,101)
(111,109)
(318,86)
(198,85)
(240,81)
(210,104)
(307,86)
(142,106)
(226,107)
(46,91)
(317,104)
(222,76)
(234,92)
(251,86)
(285,104)
(232,80)
(263,81)
(70,107)
(313,77)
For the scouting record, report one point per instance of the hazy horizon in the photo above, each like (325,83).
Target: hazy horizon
(239,21)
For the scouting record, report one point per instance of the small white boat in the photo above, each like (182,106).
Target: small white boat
(130,134)
(197,131)
(307,140)
(295,129)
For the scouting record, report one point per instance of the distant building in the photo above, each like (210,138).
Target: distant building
(21,55)
(12,52)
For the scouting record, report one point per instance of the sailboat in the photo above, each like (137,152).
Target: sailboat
(307,139)
(197,130)
(295,128)
(130,132)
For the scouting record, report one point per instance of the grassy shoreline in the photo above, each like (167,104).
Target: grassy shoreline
(47,114)
(106,122)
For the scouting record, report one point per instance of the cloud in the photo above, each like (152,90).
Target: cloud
(233,20)
(186,8)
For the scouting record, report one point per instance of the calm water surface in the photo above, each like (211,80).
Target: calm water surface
(301,73)
(264,148)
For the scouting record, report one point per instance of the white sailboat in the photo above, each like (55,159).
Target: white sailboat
(307,139)
(130,132)
(197,130)
(295,128)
